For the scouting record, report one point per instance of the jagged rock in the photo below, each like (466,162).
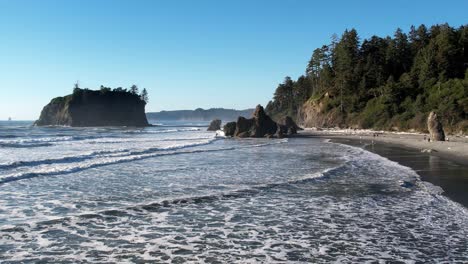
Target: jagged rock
(229,129)
(95,108)
(435,128)
(288,126)
(243,134)
(260,125)
(280,131)
(263,123)
(244,127)
(215,125)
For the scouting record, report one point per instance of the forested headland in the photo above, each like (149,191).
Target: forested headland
(389,83)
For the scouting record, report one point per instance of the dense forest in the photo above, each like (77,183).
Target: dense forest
(389,83)
(107,91)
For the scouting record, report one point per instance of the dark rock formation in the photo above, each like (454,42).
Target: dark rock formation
(95,108)
(244,127)
(215,125)
(260,125)
(263,124)
(229,129)
(288,126)
(280,131)
(435,127)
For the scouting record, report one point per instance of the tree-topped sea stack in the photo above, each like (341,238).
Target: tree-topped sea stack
(105,107)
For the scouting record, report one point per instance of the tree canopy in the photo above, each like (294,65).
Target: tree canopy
(385,82)
(132,91)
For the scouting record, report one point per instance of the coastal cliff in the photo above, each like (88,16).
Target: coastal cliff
(86,107)
(314,113)
(382,83)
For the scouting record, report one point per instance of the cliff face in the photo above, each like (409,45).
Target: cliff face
(95,108)
(313,113)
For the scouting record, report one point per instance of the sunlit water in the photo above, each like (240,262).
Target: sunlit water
(179,194)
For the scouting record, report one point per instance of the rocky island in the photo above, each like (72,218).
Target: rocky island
(104,107)
(260,125)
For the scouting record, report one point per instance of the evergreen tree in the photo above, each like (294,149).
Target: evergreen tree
(134,89)
(385,82)
(346,57)
(76,87)
(144,95)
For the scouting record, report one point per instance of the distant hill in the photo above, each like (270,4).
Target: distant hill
(200,114)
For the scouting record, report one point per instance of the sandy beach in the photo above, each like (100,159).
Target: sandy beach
(444,164)
(455,149)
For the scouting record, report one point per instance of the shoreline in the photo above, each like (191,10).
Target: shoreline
(456,149)
(446,167)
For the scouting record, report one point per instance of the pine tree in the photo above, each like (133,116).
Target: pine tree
(144,95)
(76,87)
(385,82)
(134,89)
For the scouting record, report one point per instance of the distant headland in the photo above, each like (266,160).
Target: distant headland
(104,107)
(200,114)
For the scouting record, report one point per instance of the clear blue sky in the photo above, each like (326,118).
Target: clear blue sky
(188,54)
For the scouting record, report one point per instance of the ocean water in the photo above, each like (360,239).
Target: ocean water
(176,193)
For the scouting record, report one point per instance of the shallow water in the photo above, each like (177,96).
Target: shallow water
(177,194)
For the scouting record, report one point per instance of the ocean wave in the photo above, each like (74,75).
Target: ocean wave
(98,154)
(231,194)
(14,141)
(362,157)
(66,159)
(41,142)
(75,164)
(298,219)
(166,203)
(93,164)
(25,145)
(162,131)
(9,136)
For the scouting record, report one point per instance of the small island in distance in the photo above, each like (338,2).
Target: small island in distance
(104,107)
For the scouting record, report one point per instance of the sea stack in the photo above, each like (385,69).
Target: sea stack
(260,125)
(88,108)
(435,128)
(214,125)
(288,126)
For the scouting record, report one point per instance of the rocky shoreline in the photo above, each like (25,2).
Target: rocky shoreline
(260,125)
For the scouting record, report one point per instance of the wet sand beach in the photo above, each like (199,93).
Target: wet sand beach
(446,167)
